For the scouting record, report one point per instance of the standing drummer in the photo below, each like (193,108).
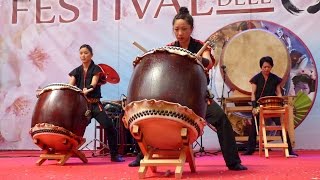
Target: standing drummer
(264,84)
(183,27)
(87,77)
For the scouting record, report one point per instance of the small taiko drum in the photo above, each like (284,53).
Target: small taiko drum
(271,102)
(167,92)
(242,54)
(60,117)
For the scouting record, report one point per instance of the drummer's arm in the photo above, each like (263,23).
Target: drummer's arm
(278,91)
(207,56)
(253,90)
(253,98)
(72,80)
(93,84)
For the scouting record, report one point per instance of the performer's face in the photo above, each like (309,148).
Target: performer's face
(266,68)
(280,32)
(85,55)
(301,86)
(182,30)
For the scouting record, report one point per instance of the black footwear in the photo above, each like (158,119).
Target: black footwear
(116,158)
(237,167)
(136,162)
(292,154)
(248,152)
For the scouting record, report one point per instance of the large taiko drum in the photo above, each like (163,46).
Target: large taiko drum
(167,92)
(242,54)
(60,117)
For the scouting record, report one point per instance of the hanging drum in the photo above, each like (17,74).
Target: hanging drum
(60,117)
(243,52)
(167,92)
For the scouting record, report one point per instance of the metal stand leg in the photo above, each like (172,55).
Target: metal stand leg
(201,151)
(96,152)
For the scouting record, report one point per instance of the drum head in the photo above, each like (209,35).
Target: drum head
(243,52)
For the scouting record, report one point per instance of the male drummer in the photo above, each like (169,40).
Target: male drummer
(87,77)
(264,84)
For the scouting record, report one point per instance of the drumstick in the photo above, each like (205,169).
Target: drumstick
(202,49)
(139,46)
(256,123)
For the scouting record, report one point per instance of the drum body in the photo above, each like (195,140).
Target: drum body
(167,92)
(271,102)
(59,117)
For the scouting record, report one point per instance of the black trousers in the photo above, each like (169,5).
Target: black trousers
(217,118)
(252,141)
(98,113)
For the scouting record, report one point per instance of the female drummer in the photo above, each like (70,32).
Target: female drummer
(86,77)
(264,84)
(183,27)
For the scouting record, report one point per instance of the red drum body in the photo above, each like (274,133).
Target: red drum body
(167,92)
(60,117)
(169,74)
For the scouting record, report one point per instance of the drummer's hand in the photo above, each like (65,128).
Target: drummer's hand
(255,111)
(85,91)
(199,57)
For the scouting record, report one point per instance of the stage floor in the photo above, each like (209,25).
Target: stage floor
(16,165)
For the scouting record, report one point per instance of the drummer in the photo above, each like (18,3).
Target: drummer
(183,27)
(264,84)
(87,77)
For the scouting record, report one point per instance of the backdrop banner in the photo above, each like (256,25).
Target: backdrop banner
(40,40)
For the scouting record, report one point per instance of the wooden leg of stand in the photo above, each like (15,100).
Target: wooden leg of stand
(188,149)
(155,157)
(284,133)
(40,161)
(143,167)
(190,158)
(79,153)
(179,168)
(62,157)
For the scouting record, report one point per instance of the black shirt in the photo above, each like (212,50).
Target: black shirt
(194,45)
(271,85)
(84,79)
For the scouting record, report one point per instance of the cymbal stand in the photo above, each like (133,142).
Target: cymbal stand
(95,151)
(201,151)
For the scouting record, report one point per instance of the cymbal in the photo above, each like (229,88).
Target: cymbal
(111,74)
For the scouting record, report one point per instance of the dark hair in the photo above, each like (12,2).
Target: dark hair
(184,14)
(266,59)
(86,46)
(304,78)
